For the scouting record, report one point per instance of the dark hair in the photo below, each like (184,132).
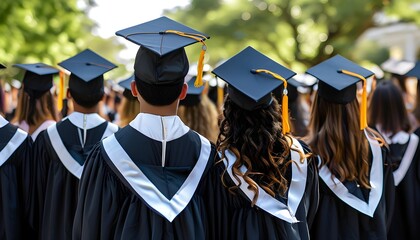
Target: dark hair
(416,110)
(2,104)
(387,108)
(252,136)
(336,137)
(86,100)
(159,94)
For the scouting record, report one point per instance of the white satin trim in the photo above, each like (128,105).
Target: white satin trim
(376,183)
(265,201)
(151,126)
(12,145)
(399,174)
(169,209)
(400,137)
(92,120)
(3,121)
(65,157)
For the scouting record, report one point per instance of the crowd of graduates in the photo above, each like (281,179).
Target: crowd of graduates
(245,150)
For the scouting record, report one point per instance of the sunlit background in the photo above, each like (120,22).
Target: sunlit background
(296,33)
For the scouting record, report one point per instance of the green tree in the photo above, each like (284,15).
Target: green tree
(298,33)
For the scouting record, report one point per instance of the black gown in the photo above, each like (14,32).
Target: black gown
(15,183)
(405,162)
(59,158)
(348,211)
(147,181)
(233,217)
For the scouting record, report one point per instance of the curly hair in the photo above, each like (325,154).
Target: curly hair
(201,118)
(336,137)
(252,136)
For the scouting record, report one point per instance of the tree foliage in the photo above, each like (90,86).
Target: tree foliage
(297,33)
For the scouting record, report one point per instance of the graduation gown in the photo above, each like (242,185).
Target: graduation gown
(15,182)
(348,211)
(147,181)
(405,154)
(60,158)
(233,217)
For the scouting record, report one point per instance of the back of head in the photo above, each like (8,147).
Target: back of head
(387,109)
(86,94)
(159,79)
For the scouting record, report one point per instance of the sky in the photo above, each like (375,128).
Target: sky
(114,15)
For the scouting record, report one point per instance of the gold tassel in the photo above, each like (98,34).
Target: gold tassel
(60,91)
(220,97)
(363,104)
(284,100)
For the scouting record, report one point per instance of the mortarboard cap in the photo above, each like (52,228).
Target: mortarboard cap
(126,84)
(161,58)
(251,78)
(335,86)
(2,66)
(38,76)
(337,82)
(193,94)
(87,69)
(415,71)
(398,67)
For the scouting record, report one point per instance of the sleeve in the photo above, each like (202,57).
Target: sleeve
(389,187)
(217,203)
(98,201)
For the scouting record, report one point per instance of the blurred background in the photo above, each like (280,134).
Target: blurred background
(298,33)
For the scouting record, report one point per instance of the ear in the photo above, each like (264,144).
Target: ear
(68,94)
(184,91)
(134,88)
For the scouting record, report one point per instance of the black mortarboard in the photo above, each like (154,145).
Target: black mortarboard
(38,77)
(415,71)
(87,69)
(2,66)
(334,85)
(246,88)
(193,94)
(126,84)
(161,59)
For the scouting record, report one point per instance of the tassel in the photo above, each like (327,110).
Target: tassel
(220,97)
(199,80)
(284,100)
(60,91)
(363,104)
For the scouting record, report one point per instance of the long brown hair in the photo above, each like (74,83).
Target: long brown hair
(336,137)
(252,136)
(387,108)
(42,109)
(201,118)
(128,110)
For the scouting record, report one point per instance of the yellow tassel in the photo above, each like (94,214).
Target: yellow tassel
(363,104)
(284,100)
(220,96)
(285,113)
(60,91)
(199,80)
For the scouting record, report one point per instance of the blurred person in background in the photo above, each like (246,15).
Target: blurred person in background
(130,106)
(388,115)
(198,112)
(36,109)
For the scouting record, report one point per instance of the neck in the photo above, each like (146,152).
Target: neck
(167,110)
(85,110)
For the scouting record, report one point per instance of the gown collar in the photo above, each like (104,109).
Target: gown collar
(3,121)
(91,120)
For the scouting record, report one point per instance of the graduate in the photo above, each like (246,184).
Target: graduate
(147,180)
(198,112)
(36,108)
(15,181)
(389,116)
(130,106)
(356,183)
(61,150)
(415,72)
(264,185)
